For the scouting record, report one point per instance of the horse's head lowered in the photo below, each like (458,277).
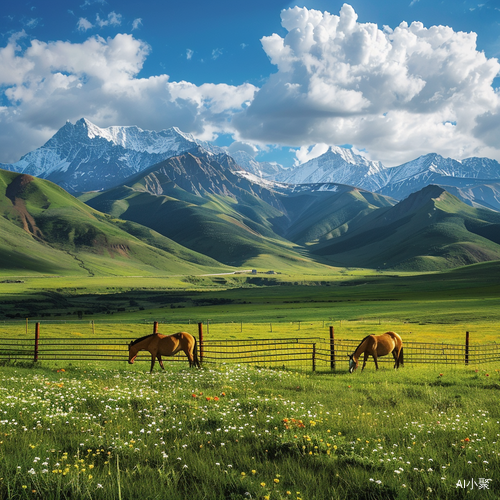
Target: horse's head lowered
(353,364)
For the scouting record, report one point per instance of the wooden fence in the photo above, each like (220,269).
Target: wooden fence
(297,353)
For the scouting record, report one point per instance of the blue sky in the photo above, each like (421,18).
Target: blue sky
(281,80)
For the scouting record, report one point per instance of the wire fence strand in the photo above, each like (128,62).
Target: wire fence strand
(297,353)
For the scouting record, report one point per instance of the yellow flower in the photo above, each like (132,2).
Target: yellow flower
(254,472)
(243,474)
(263,485)
(276,480)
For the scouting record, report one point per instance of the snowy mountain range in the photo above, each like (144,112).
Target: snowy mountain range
(341,166)
(84,157)
(474,180)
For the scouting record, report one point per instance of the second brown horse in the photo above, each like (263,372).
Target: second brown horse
(164,345)
(378,345)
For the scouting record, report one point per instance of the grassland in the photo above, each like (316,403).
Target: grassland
(439,306)
(82,430)
(235,432)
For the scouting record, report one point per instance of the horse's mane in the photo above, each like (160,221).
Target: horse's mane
(361,343)
(141,339)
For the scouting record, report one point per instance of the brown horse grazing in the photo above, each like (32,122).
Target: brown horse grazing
(378,345)
(164,345)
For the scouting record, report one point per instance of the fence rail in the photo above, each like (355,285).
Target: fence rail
(298,353)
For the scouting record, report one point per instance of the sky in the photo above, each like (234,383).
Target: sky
(280,80)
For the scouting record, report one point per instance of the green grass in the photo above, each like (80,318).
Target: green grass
(235,432)
(437,305)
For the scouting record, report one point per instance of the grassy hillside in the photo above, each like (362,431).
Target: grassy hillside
(430,230)
(238,232)
(209,208)
(321,216)
(46,230)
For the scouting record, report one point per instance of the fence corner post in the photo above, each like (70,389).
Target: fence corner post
(37,338)
(332,349)
(200,335)
(466,348)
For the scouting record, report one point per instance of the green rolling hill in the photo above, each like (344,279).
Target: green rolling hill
(213,209)
(198,213)
(208,207)
(430,230)
(45,230)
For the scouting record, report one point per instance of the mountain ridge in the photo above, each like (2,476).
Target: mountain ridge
(84,157)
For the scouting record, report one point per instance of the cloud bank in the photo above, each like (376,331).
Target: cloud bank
(395,93)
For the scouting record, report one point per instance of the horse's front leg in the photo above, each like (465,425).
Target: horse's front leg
(160,361)
(153,357)
(375,358)
(364,361)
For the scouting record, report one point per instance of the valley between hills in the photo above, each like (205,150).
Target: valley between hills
(197,221)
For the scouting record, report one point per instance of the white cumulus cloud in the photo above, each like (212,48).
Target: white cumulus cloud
(396,92)
(48,83)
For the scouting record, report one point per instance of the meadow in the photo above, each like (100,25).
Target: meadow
(239,432)
(96,431)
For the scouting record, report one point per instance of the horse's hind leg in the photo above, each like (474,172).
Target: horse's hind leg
(152,363)
(396,359)
(190,357)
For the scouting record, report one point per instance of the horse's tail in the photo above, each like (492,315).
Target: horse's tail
(401,358)
(195,353)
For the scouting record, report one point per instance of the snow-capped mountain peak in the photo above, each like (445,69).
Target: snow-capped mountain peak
(341,166)
(84,156)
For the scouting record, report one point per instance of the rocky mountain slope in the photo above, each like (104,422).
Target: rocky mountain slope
(84,157)
(43,229)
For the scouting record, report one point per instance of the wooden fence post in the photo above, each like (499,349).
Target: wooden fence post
(314,357)
(37,338)
(466,348)
(200,335)
(155,327)
(332,349)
